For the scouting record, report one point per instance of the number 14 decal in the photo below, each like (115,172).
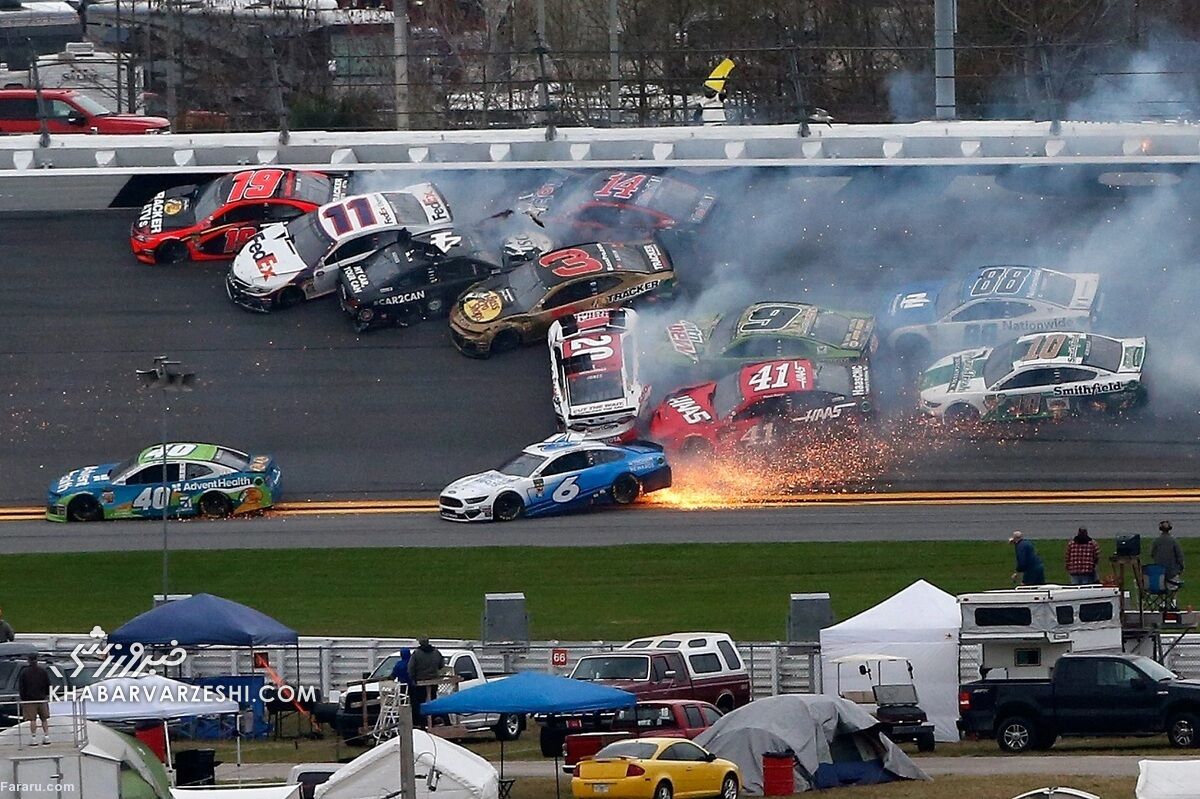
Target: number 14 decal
(621,186)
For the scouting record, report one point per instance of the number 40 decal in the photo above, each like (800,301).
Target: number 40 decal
(152,497)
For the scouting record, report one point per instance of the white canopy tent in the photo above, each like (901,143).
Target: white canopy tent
(1167,779)
(447,768)
(239,792)
(920,624)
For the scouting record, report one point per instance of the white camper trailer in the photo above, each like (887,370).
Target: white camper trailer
(1025,630)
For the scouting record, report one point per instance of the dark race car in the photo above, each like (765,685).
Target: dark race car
(762,404)
(617,205)
(506,311)
(416,279)
(211,222)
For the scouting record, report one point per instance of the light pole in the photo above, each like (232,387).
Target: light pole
(163,378)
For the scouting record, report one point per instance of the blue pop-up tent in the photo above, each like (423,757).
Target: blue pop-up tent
(203,620)
(532,692)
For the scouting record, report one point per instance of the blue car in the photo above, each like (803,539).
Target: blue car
(203,480)
(560,474)
(987,306)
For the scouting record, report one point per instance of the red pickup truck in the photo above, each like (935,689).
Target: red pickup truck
(700,666)
(668,718)
(69,111)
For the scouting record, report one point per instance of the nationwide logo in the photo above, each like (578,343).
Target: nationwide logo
(1034,326)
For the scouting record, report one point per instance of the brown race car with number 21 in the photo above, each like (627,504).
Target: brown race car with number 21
(506,311)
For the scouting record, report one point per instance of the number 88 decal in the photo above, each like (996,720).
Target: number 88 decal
(1000,280)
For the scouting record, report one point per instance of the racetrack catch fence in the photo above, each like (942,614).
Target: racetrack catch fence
(329,663)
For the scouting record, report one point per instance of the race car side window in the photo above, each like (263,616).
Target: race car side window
(571,462)
(243,213)
(282,212)
(1074,375)
(151,475)
(979,311)
(572,292)
(194,471)
(1029,379)
(606,456)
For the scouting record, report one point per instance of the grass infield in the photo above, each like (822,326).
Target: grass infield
(572,594)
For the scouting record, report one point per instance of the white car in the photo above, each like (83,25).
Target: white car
(990,305)
(594,373)
(564,472)
(1039,376)
(300,260)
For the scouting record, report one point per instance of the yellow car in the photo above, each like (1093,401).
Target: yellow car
(655,768)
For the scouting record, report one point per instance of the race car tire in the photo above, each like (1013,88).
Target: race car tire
(913,350)
(626,489)
(84,508)
(961,413)
(696,447)
(507,506)
(292,295)
(215,505)
(171,252)
(505,341)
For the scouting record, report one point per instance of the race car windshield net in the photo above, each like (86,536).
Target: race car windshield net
(626,667)
(309,239)
(1104,353)
(585,389)
(1057,288)
(523,465)
(312,187)
(1000,362)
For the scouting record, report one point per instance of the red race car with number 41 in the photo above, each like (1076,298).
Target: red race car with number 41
(211,221)
(760,404)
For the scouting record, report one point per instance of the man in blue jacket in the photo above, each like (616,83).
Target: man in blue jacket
(1029,563)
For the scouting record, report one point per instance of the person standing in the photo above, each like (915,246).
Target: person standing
(1082,559)
(425,665)
(6,630)
(1029,564)
(1167,553)
(33,689)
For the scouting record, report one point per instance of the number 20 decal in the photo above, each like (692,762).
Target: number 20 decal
(598,348)
(571,263)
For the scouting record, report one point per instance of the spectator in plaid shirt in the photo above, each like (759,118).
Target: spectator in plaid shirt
(1083,555)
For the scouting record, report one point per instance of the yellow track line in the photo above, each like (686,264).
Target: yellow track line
(1008,497)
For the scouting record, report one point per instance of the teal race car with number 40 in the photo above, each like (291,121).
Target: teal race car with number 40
(201,480)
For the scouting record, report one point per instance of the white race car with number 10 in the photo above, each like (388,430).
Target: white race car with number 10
(1040,376)
(559,474)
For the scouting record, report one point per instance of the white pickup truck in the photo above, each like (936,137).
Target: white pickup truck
(461,662)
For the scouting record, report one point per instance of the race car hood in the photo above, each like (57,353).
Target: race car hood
(173,209)
(480,485)
(687,409)
(89,477)
(501,295)
(1133,355)
(269,261)
(914,304)
(956,374)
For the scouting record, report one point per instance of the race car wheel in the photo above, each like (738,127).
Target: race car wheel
(507,507)
(290,296)
(961,414)
(214,505)
(696,447)
(506,341)
(171,252)
(84,508)
(626,489)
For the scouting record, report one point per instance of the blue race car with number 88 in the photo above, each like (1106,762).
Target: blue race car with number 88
(201,480)
(561,473)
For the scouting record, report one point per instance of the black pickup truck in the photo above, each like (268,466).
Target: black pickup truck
(1086,695)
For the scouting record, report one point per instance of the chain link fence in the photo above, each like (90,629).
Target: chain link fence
(267,64)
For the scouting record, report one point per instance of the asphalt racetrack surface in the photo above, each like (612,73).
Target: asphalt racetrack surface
(400,413)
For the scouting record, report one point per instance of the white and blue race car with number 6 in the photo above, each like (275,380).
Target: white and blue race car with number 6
(560,474)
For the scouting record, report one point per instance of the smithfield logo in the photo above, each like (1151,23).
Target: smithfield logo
(1085,391)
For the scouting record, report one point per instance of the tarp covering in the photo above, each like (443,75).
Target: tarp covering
(834,742)
(146,697)
(460,773)
(1168,779)
(532,692)
(920,624)
(145,777)
(202,620)
(240,792)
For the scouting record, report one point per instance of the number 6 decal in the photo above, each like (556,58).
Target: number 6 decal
(566,491)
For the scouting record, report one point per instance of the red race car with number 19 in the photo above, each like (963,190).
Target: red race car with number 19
(211,221)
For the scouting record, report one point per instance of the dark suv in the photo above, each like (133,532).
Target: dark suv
(13,658)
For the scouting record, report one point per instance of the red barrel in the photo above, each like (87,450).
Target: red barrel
(154,737)
(778,776)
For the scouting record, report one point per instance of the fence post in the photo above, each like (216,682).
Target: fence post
(400,55)
(776,653)
(614,65)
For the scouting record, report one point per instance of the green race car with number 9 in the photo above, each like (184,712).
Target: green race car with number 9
(200,480)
